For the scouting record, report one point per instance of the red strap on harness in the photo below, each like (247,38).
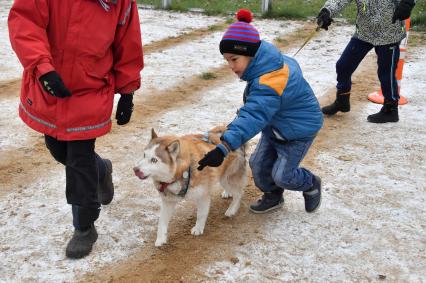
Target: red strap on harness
(164,186)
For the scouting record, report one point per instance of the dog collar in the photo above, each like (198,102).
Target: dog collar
(186,177)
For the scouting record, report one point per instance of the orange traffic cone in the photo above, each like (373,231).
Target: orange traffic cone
(377,97)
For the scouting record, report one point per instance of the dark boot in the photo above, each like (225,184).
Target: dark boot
(340,104)
(313,196)
(388,113)
(81,243)
(268,202)
(106,188)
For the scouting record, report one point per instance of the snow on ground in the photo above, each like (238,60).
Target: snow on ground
(318,58)
(193,58)
(9,119)
(35,219)
(157,25)
(10,68)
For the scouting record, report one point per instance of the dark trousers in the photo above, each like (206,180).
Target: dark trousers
(84,169)
(387,61)
(275,165)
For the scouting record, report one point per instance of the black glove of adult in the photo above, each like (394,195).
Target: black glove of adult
(124,109)
(53,84)
(213,158)
(324,19)
(403,10)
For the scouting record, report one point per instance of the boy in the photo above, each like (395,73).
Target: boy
(76,55)
(278,102)
(379,25)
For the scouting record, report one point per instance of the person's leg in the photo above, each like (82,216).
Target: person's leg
(287,173)
(82,193)
(261,163)
(106,186)
(349,61)
(387,61)
(58,149)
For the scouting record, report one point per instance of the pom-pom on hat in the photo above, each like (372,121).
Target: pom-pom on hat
(241,37)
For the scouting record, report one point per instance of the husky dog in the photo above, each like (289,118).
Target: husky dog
(172,163)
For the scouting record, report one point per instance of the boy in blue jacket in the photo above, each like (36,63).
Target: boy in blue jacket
(278,102)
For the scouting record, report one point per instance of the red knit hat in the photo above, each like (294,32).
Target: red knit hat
(241,37)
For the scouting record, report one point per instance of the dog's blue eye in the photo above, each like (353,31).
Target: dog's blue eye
(153,160)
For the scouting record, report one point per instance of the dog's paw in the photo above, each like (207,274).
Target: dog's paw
(160,241)
(230,212)
(196,231)
(225,194)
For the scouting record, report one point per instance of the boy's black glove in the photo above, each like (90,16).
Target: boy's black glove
(324,19)
(403,10)
(213,158)
(124,109)
(53,84)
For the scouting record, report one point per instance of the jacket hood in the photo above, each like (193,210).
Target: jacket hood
(268,58)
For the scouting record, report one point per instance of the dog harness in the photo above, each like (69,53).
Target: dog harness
(186,177)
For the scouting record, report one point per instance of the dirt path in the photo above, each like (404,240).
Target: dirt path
(179,261)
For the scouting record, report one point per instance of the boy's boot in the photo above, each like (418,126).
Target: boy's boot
(388,113)
(340,104)
(106,188)
(81,243)
(313,195)
(269,201)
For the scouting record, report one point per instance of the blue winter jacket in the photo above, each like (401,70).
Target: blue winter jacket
(276,96)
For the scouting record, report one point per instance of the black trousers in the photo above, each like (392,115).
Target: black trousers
(84,170)
(387,62)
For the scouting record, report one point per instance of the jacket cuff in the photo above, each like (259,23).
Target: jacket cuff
(130,88)
(223,148)
(43,68)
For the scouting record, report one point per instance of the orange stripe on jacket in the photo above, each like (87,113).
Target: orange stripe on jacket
(277,80)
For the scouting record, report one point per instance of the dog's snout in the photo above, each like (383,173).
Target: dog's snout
(136,169)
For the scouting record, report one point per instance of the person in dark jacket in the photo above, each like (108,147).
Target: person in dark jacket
(379,25)
(76,55)
(279,103)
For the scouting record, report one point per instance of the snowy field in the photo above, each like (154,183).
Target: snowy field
(371,225)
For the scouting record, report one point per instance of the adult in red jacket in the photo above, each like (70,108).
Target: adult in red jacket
(76,55)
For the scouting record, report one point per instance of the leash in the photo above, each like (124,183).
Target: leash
(311,35)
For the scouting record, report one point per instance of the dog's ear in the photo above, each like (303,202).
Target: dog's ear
(153,134)
(174,148)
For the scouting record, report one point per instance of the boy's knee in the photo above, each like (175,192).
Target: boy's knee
(285,180)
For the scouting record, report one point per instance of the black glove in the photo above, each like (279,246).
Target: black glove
(213,158)
(324,19)
(403,11)
(124,109)
(53,84)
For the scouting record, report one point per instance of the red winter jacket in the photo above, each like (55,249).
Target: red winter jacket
(94,45)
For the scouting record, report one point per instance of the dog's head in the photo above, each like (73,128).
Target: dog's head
(159,159)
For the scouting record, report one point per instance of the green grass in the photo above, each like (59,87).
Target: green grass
(208,76)
(291,9)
